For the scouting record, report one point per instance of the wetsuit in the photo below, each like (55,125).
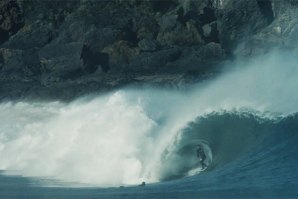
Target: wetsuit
(201,155)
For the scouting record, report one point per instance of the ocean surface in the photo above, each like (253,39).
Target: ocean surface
(106,146)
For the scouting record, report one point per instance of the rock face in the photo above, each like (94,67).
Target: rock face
(239,20)
(11,19)
(84,46)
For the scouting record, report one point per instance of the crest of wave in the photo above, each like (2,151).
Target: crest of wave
(103,141)
(118,138)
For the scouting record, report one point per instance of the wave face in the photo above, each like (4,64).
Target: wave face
(247,117)
(243,138)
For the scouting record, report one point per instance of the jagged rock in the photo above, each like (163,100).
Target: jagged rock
(32,62)
(194,5)
(120,53)
(168,22)
(212,52)
(19,63)
(164,6)
(155,60)
(276,35)
(199,60)
(80,29)
(97,39)
(252,47)
(148,45)
(202,11)
(71,60)
(292,39)
(94,60)
(238,20)
(266,10)
(11,60)
(180,28)
(51,51)
(210,32)
(82,46)
(11,19)
(174,33)
(146,26)
(31,36)
(62,60)
(207,30)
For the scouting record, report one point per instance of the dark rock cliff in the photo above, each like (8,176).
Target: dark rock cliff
(64,49)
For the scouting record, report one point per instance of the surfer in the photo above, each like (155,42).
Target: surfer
(201,155)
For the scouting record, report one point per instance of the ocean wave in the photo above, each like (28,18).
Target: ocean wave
(133,135)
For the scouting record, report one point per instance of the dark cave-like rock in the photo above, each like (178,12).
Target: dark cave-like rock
(92,61)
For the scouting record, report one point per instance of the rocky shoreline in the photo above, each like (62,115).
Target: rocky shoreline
(65,49)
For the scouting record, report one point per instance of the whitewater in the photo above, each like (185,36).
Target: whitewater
(133,135)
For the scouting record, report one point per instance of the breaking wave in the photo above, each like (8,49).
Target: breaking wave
(131,135)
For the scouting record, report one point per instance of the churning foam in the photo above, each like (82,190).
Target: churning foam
(118,138)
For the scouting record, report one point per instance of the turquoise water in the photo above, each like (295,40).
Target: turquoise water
(104,146)
(266,168)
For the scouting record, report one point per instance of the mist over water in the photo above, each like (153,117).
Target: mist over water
(120,138)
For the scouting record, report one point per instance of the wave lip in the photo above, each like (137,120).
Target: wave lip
(130,136)
(230,136)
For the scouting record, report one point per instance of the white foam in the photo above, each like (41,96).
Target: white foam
(118,138)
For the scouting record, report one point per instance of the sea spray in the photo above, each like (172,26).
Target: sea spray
(119,138)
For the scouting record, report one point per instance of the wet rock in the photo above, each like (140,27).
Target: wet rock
(292,39)
(212,51)
(154,61)
(194,5)
(265,7)
(120,53)
(71,61)
(276,35)
(48,12)
(146,26)
(97,39)
(11,19)
(1,61)
(208,15)
(203,10)
(3,35)
(18,63)
(51,51)
(32,62)
(174,33)
(238,20)
(252,47)
(62,60)
(199,60)
(94,60)
(168,22)
(82,30)
(31,36)
(164,6)
(180,28)
(11,60)
(148,45)
(210,32)
(82,46)
(207,30)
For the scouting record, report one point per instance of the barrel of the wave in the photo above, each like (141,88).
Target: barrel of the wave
(186,159)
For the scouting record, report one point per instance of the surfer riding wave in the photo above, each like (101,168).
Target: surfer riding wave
(201,156)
